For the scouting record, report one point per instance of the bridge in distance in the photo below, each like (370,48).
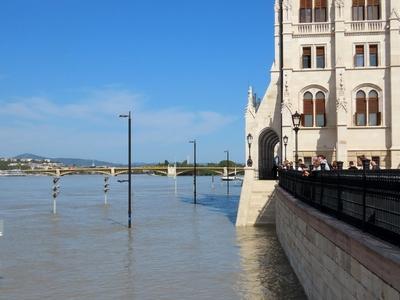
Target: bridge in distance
(170,171)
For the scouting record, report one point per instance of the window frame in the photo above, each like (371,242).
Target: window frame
(303,57)
(314,99)
(368,106)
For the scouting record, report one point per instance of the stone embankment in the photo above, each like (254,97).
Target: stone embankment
(334,260)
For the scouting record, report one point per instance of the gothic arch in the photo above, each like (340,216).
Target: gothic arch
(267,142)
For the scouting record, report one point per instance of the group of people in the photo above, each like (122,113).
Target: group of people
(321,163)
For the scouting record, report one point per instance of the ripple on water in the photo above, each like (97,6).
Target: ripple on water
(175,250)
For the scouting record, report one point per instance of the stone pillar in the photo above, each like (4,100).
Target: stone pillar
(394,82)
(245,197)
(342,106)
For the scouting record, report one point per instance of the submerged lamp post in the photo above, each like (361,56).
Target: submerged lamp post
(296,118)
(227,171)
(285,142)
(249,142)
(194,171)
(129,169)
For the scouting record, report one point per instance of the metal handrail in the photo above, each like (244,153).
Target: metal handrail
(369,200)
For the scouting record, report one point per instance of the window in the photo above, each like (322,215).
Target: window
(373,55)
(306,58)
(359,56)
(321,57)
(313,110)
(308,109)
(367,110)
(320,109)
(361,109)
(305,11)
(373,109)
(358,10)
(373,10)
(320,10)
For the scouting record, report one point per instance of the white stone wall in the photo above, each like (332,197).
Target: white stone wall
(333,260)
(340,80)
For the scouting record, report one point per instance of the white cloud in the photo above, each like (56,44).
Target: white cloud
(91,124)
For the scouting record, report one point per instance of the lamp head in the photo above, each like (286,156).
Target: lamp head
(296,118)
(124,116)
(285,139)
(249,139)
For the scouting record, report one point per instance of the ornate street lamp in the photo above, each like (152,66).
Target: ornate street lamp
(249,142)
(285,142)
(296,118)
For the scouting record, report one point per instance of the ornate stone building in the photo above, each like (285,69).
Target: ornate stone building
(341,72)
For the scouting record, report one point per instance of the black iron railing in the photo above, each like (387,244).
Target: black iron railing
(367,199)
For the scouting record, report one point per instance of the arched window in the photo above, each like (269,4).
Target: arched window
(373,10)
(305,11)
(314,109)
(308,110)
(320,11)
(373,109)
(361,109)
(320,109)
(358,10)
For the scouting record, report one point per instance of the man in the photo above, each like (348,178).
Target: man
(352,166)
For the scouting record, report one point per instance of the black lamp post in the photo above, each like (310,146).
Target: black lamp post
(249,142)
(194,171)
(296,118)
(129,168)
(285,142)
(227,171)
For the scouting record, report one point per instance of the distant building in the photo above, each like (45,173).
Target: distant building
(342,74)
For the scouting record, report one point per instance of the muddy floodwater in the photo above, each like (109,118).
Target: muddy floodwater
(175,250)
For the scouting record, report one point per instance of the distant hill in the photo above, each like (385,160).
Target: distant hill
(71,161)
(29,156)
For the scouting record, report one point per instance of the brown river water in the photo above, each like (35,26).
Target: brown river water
(175,250)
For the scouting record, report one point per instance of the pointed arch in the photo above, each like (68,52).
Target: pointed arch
(266,164)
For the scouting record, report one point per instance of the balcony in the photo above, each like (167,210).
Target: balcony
(366,26)
(312,28)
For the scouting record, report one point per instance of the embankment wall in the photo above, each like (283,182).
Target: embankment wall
(334,260)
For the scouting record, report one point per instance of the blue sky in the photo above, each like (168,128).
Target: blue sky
(69,67)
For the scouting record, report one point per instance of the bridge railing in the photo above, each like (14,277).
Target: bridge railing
(369,200)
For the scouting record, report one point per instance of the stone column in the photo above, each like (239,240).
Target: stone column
(339,95)
(394,61)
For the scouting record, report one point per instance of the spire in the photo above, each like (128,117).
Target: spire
(251,103)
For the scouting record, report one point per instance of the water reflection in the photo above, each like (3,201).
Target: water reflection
(175,250)
(266,272)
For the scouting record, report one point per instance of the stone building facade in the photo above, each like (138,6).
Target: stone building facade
(341,72)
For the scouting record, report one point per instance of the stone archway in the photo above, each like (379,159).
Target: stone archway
(266,148)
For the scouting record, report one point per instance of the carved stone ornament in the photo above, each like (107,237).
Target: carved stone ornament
(339,7)
(341,88)
(287,8)
(341,104)
(277,6)
(339,3)
(395,15)
(286,104)
(286,87)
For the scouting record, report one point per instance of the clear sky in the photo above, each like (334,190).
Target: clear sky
(69,67)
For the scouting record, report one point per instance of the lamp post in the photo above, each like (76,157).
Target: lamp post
(249,142)
(285,142)
(194,171)
(129,168)
(227,171)
(296,118)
